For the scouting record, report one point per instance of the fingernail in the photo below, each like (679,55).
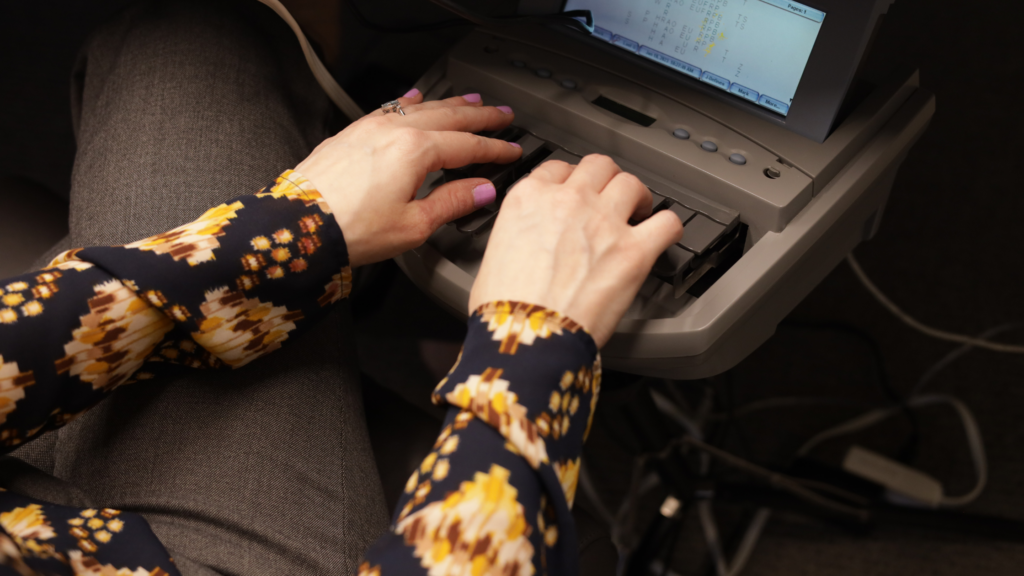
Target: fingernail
(484,194)
(505,109)
(514,144)
(471,98)
(411,93)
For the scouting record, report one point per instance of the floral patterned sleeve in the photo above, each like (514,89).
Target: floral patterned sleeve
(494,495)
(219,292)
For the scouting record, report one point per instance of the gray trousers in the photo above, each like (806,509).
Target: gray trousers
(263,470)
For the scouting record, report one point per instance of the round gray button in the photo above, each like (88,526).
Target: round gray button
(681,134)
(543,72)
(519,64)
(569,84)
(738,159)
(709,146)
(772,172)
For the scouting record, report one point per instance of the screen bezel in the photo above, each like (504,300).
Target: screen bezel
(826,79)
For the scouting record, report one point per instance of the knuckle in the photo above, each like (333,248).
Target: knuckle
(521,193)
(420,225)
(602,161)
(449,113)
(633,182)
(518,190)
(409,137)
(488,146)
(568,200)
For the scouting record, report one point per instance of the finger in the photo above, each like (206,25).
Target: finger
(411,99)
(457,149)
(657,233)
(628,197)
(594,172)
(553,171)
(454,200)
(461,118)
(464,100)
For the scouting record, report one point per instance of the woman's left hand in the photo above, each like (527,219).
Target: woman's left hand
(369,172)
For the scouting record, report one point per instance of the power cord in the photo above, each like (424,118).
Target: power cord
(975,442)
(923,328)
(909,449)
(334,90)
(948,359)
(778,480)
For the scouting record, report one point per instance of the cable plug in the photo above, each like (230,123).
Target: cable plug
(904,485)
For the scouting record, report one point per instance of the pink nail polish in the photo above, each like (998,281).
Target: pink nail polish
(411,93)
(484,194)
(505,109)
(514,145)
(474,98)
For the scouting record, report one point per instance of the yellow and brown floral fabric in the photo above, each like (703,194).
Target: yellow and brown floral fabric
(219,292)
(492,497)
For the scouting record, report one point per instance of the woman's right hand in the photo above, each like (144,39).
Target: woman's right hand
(563,241)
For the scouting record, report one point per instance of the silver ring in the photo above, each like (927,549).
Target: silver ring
(392,106)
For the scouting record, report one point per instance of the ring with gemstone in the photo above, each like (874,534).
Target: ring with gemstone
(392,106)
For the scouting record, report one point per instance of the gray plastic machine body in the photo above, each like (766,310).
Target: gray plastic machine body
(823,200)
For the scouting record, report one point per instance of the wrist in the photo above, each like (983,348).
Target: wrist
(532,373)
(293,184)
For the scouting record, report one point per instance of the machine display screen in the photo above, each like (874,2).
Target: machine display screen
(754,49)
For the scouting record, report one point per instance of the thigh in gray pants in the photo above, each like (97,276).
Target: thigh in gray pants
(266,469)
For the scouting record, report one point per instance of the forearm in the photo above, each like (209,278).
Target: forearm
(218,292)
(497,488)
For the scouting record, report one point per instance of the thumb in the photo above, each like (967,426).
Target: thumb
(455,200)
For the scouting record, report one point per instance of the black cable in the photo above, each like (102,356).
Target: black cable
(908,451)
(674,534)
(729,397)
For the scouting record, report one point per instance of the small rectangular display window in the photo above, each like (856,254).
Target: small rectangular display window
(624,111)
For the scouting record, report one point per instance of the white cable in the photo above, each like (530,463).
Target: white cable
(785,402)
(723,567)
(974,440)
(926,330)
(334,91)
(865,420)
(948,359)
(750,538)
(704,509)
(710,528)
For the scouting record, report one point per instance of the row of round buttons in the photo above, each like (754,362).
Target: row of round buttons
(680,133)
(709,146)
(545,73)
